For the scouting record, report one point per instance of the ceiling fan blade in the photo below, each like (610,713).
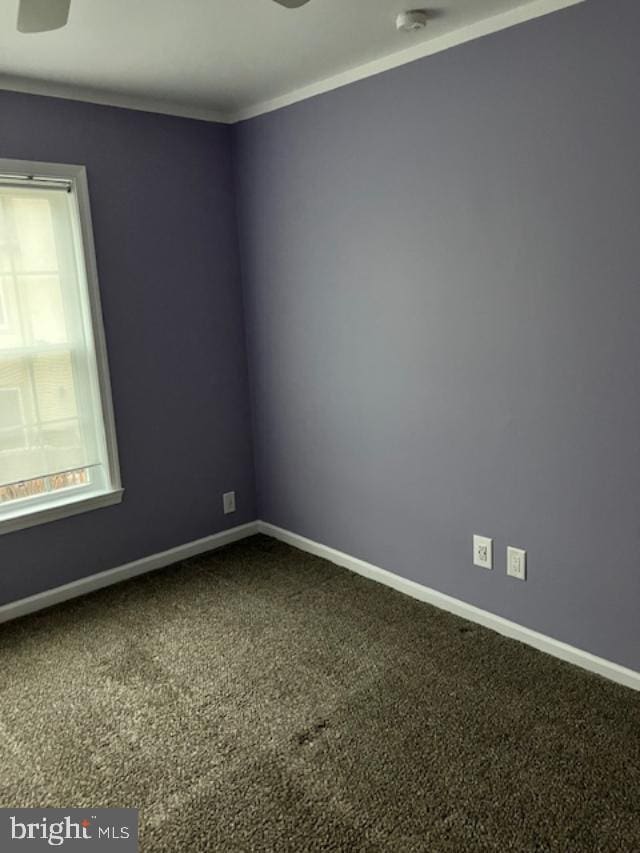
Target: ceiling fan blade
(291,4)
(40,16)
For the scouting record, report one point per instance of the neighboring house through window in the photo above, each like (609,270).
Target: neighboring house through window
(4,320)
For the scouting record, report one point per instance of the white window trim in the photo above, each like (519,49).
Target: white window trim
(67,505)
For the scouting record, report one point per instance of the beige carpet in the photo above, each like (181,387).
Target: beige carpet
(260,699)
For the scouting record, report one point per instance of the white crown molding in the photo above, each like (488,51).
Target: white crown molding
(519,15)
(85,585)
(556,648)
(50,89)
(502,21)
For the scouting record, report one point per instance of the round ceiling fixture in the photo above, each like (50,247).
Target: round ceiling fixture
(409,22)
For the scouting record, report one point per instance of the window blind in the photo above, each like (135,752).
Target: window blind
(50,414)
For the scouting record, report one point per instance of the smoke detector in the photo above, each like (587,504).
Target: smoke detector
(409,22)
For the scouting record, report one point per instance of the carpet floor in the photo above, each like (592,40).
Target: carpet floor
(260,699)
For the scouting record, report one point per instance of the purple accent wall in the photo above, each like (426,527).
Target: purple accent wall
(166,241)
(441,276)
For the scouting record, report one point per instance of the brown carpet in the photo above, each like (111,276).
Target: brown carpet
(259,699)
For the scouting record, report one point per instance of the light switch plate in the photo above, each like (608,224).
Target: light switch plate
(483,552)
(517,563)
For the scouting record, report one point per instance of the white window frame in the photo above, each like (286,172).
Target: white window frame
(53,506)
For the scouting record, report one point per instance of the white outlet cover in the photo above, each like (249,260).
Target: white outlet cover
(517,563)
(483,552)
(229,502)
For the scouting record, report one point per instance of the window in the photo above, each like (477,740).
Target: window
(57,439)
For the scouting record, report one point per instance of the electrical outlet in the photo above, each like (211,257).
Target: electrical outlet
(483,552)
(229,502)
(517,563)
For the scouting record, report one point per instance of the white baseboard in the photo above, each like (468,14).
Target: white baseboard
(608,669)
(112,576)
(592,663)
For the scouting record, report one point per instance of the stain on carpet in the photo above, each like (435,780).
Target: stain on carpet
(309,735)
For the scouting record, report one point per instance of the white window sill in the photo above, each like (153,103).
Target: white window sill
(53,511)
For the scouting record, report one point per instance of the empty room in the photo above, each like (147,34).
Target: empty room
(320,426)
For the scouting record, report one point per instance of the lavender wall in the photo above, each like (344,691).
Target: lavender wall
(166,243)
(441,277)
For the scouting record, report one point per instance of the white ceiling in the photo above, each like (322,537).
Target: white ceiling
(232,58)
